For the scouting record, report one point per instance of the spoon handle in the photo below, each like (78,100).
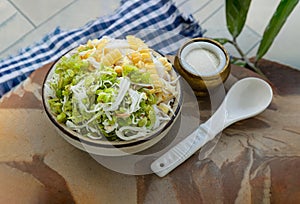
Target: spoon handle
(182,151)
(191,144)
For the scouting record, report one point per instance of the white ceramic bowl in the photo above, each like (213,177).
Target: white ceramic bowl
(111,148)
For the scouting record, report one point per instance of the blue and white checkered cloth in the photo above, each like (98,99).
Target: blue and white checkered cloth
(158,22)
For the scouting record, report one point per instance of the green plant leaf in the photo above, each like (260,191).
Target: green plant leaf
(277,21)
(222,41)
(238,62)
(236,15)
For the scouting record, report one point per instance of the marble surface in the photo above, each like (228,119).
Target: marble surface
(253,161)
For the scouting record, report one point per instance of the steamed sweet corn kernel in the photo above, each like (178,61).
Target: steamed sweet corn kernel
(105,51)
(135,43)
(97,55)
(142,58)
(145,50)
(112,57)
(165,63)
(118,69)
(87,54)
(125,60)
(150,68)
(140,64)
(146,57)
(101,44)
(135,57)
(90,44)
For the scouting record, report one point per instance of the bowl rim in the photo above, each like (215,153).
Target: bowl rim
(106,143)
(208,40)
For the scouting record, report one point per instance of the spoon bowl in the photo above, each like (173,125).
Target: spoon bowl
(246,98)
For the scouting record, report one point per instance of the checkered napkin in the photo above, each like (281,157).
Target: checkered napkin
(158,22)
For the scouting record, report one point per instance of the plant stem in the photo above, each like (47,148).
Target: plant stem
(244,58)
(237,58)
(255,68)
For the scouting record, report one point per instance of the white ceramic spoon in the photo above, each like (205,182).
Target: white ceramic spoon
(246,98)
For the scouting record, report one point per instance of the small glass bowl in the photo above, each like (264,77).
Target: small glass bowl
(203,80)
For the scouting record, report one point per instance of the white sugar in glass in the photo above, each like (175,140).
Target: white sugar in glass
(203,58)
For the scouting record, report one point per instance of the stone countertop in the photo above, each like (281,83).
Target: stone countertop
(253,161)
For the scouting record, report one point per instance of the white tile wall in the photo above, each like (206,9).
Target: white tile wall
(38,11)
(23,22)
(13,29)
(83,11)
(216,24)
(260,13)
(209,9)
(192,6)
(72,16)
(179,2)
(6,11)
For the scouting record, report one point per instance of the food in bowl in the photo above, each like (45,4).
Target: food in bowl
(112,89)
